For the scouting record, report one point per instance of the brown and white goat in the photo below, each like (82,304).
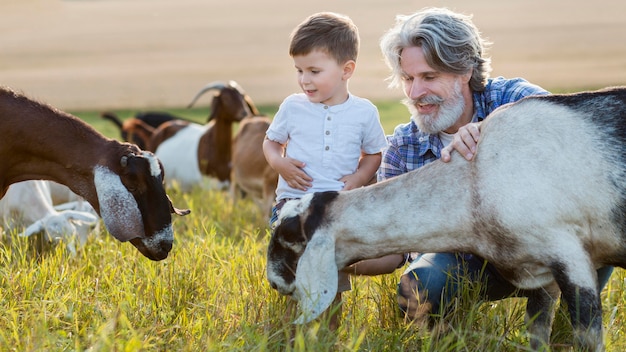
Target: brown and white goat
(123,183)
(190,151)
(543,201)
(251,175)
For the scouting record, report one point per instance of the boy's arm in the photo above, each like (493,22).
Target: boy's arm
(368,165)
(289,169)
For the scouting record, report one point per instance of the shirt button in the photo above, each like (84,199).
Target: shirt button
(327,148)
(325,106)
(328,118)
(327,133)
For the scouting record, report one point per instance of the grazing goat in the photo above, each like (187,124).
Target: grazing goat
(123,183)
(64,199)
(189,150)
(139,129)
(29,203)
(251,175)
(543,200)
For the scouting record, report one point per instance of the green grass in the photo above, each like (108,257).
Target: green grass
(211,294)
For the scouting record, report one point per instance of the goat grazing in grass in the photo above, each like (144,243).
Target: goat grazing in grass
(251,175)
(29,203)
(543,200)
(189,150)
(123,183)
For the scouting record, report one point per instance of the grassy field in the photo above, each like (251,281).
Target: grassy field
(211,293)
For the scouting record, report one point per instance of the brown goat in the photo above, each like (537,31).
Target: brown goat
(188,152)
(251,175)
(123,183)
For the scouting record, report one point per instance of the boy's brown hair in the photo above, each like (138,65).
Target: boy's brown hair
(331,32)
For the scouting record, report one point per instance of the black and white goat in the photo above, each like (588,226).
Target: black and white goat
(124,184)
(544,200)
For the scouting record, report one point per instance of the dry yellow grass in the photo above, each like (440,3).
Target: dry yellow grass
(87,54)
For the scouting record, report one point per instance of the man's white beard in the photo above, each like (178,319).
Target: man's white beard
(448,113)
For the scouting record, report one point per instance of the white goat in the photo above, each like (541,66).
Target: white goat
(543,201)
(29,203)
(123,183)
(64,199)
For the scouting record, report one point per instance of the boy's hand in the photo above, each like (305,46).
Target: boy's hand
(292,171)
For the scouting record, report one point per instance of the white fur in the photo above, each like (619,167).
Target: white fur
(29,203)
(118,208)
(179,156)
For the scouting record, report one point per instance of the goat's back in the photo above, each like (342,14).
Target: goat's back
(165,131)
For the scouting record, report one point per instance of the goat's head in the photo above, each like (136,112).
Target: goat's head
(133,203)
(230,103)
(301,255)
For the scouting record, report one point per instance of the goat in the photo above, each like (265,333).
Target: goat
(64,199)
(189,150)
(29,203)
(251,175)
(123,183)
(543,200)
(139,129)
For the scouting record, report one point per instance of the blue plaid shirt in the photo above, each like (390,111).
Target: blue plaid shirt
(409,148)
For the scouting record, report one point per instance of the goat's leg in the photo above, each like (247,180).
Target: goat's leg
(540,309)
(584,306)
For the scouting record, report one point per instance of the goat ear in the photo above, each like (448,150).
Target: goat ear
(173,210)
(316,278)
(124,161)
(36,227)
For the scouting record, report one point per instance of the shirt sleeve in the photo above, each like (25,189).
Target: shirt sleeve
(374,140)
(278,130)
(500,91)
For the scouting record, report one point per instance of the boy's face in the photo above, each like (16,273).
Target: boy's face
(322,79)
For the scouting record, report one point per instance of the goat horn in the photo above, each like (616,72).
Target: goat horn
(246,97)
(213,85)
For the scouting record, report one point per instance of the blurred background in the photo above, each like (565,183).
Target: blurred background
(104,54)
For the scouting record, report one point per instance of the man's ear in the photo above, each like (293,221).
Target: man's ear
(348,69)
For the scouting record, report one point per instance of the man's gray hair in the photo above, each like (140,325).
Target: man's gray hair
(450,41)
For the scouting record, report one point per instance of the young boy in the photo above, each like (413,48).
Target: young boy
(324,139)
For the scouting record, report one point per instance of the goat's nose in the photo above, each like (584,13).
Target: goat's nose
(273,284)
(166,246)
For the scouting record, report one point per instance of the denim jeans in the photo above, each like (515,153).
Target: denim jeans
(435,277)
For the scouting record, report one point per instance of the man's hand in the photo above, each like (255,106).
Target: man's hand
(464,142)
